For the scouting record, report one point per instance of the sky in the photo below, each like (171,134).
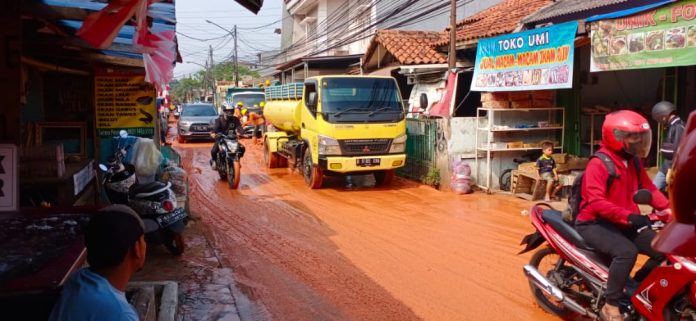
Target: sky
(191,16)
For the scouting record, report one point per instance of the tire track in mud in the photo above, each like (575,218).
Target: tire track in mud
(403,253)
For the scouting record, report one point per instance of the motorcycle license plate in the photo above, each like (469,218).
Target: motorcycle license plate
(368,162)
(171,218)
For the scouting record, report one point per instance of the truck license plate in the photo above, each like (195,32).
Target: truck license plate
(367,162)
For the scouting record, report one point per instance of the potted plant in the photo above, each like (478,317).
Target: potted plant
(432,178)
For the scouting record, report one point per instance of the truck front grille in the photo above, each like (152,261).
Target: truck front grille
(364,146)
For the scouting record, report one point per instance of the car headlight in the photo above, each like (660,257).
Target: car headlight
(398,145)
(184,124)
(232,146)
(328,146)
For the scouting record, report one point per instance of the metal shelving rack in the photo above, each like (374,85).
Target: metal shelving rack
(490,131)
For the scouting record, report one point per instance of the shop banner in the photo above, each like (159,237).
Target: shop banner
(530,60)
(124,101)
(660,37)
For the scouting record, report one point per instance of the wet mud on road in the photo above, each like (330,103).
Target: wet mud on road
(407,252)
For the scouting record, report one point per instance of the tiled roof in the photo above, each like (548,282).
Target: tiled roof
(499,19)
(409,47)
(564,7)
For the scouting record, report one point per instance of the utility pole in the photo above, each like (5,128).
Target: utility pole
(236,66)
(213,83)
(453,36)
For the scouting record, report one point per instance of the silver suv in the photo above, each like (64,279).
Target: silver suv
(195,121)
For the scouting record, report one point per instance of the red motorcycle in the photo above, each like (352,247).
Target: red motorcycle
(568,277)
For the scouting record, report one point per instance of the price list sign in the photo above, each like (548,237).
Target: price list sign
(124,101)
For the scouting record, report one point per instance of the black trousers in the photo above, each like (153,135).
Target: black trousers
(623,247)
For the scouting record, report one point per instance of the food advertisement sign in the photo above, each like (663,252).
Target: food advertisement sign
(124,101)
(530,60)
(661,37)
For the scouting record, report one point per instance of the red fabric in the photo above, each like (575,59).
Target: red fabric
(442,108)
(100,28)
(616,204)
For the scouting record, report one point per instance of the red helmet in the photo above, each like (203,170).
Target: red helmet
(679,237)
(627,131)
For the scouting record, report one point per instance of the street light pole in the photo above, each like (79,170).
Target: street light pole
(234,34)
(453,36)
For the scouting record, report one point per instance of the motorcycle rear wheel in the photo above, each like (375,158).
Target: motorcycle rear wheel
(545,261)
(174,242)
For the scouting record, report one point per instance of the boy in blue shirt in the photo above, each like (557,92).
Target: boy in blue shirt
(115,251)
(547,171)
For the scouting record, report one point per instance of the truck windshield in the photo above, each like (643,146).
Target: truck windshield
(198,110)
(360,95)
(249,100)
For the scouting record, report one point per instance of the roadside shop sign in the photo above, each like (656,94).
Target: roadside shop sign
(9,193)
(124,101)
(660,37)
(530,60)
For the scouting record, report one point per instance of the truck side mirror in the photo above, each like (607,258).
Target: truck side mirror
(312,100)
(424,101)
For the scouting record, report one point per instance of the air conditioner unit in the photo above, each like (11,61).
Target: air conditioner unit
(411,80)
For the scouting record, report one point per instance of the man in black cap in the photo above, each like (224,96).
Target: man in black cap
(115,251)
(665,113)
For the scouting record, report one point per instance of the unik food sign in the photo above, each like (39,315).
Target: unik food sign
(535,59)
(660,37)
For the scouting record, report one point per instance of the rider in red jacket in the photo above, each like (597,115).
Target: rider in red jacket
(609,221)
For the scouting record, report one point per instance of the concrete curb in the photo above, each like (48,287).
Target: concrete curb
(169,297)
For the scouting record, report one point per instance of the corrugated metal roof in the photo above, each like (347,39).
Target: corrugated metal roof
(564,7)
(253,5)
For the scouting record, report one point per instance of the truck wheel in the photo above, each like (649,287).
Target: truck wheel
(384,178)
(312,174)
(271,159)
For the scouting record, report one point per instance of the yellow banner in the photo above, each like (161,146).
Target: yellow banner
(124,101)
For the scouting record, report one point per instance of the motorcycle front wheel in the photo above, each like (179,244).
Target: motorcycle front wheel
(546,262)
(233,174)
(221,170)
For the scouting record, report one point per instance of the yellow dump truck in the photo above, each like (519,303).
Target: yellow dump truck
(332,125)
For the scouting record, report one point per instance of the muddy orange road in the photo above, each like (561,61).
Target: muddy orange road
(407,252)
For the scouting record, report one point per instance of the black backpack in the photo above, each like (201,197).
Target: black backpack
(575,197)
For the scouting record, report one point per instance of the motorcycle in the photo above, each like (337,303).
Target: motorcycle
(230,152)
(154,202)
(573,279)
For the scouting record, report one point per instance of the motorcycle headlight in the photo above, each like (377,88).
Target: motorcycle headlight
(328,146)
(232,146)
(398,145)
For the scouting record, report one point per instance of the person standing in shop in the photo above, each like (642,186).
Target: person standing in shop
(665,113)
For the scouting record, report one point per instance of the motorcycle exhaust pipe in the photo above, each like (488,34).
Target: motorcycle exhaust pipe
(545,285)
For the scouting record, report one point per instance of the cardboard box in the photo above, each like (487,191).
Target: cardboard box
(495,104)
(495,96)
(521,104)
(520,95)
(544,94)
(515,144)
(542,103)
(527,167)
(560,158)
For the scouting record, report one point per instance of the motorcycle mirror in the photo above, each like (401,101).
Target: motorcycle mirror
(103,167)
(123,134)
(643,197)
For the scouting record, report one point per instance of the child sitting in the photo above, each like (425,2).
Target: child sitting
(547,171)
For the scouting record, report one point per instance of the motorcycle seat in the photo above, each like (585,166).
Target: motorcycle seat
(555,219)
(148,189)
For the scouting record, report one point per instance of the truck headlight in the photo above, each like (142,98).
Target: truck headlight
(232,146)
(328,146)
(398,145)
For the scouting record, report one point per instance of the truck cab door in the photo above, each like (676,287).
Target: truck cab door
(310,123)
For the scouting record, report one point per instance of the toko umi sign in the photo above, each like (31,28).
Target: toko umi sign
(530,60)
(660,37)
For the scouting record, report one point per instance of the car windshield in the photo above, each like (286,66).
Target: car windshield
(249,100)
(360,95)
(198,110)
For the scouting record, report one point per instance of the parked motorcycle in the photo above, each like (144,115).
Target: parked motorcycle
(155,202)
(568,277)
(230,153)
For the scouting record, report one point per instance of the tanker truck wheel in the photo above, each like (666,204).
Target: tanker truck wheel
(384,178)
(312,174)
(269,158)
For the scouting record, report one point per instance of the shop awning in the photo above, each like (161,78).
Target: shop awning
(253,5)
(627,12)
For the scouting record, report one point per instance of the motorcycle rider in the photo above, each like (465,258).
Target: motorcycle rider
(227,121)
(679,236)
(609,220)
(665,113)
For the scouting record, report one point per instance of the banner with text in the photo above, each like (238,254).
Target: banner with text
(530,60)
(124,101)
(661,37)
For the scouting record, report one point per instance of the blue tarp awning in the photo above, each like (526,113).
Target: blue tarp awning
(627,12)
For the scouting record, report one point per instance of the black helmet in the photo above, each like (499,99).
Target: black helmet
(662,110)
